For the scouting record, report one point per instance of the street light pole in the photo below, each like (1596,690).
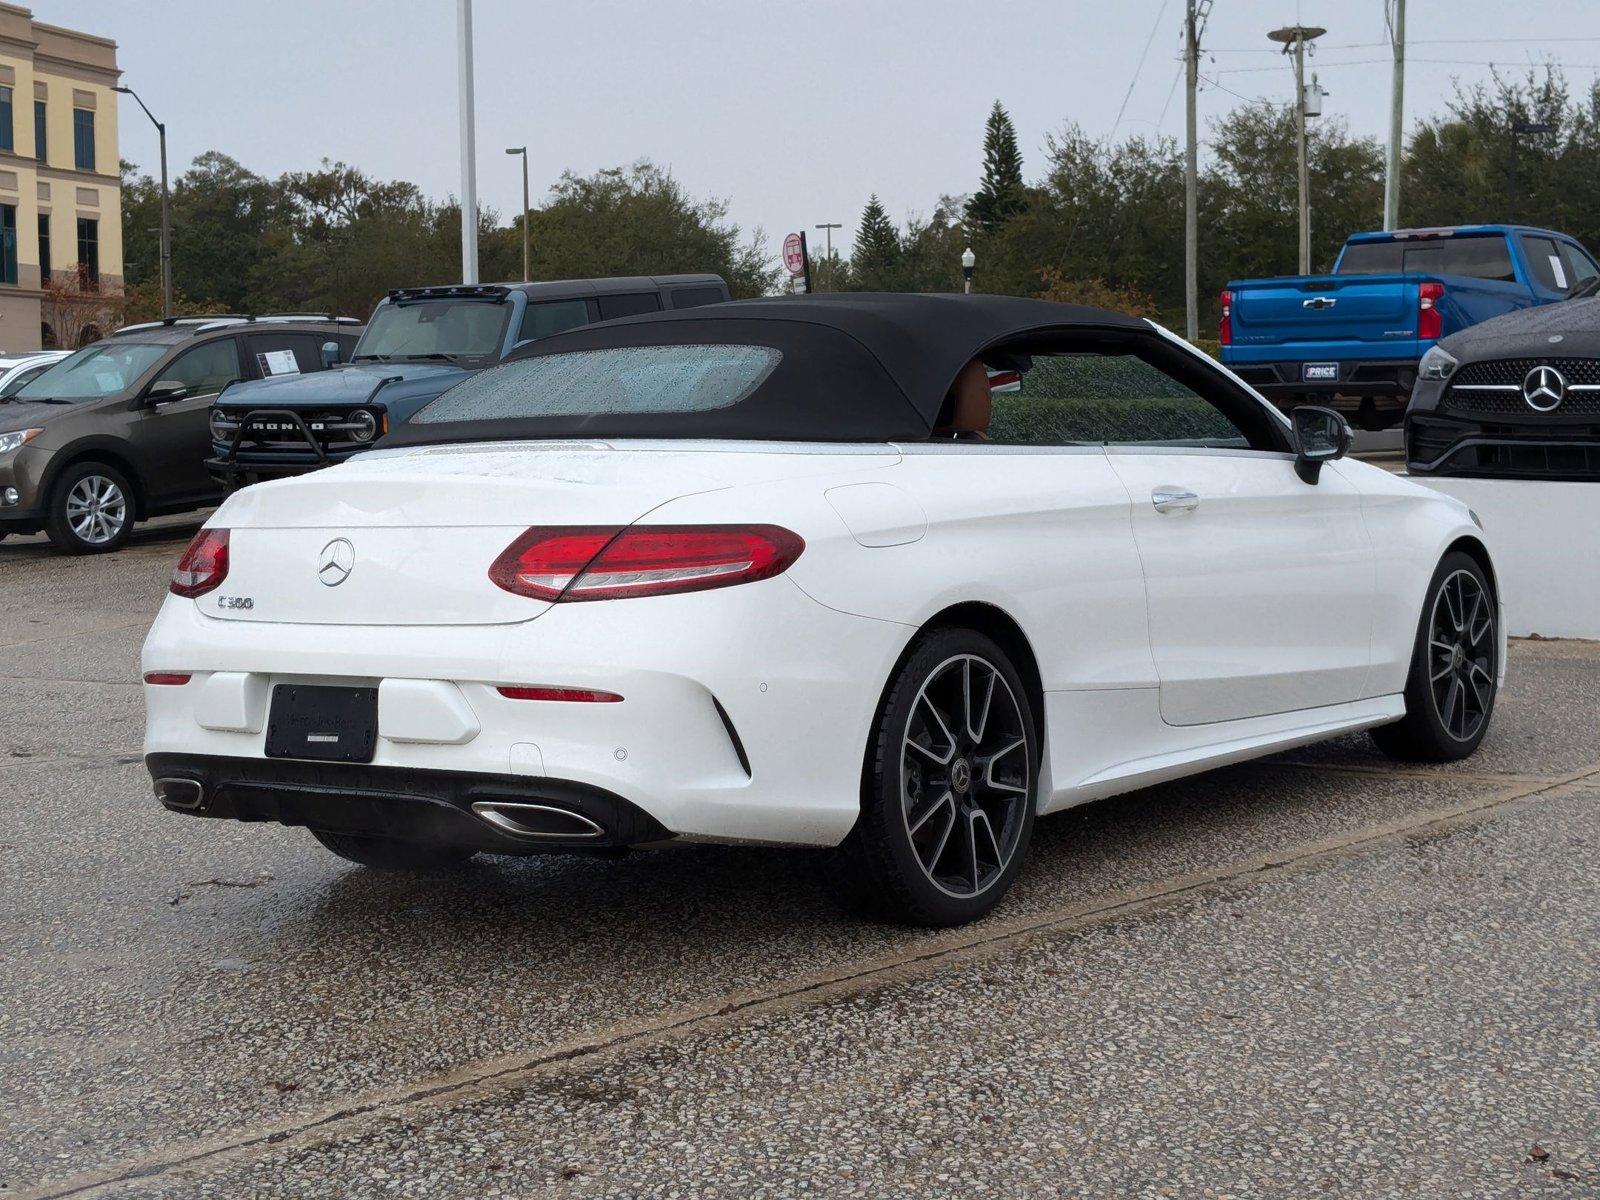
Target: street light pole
(1294,38)
(469,147)
(1518,128)
(523,150)
(166,209)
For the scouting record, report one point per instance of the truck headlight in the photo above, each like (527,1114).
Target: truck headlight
(363,425)
(17,439)
(1437,365)
(222,426)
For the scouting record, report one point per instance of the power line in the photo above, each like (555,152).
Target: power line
(1143,54)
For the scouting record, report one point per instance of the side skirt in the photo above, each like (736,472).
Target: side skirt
(1102,743)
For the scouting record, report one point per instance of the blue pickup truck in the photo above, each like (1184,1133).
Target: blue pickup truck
(1352,339)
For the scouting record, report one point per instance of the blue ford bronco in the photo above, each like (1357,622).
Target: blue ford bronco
(419,342)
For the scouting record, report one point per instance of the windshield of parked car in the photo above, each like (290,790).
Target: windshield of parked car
(614,382)
(103,369)
(435,329)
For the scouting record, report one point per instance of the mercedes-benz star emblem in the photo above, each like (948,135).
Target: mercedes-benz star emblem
(338,559)
(1543,388)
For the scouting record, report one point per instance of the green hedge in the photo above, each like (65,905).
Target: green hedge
(1103,398)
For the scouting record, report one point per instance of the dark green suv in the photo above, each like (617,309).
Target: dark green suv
(118,431)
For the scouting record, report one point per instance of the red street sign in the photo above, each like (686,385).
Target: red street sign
(793,257)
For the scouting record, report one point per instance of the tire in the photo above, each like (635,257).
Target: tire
(1450,691)
(90,509)
(391,854)
(946,817)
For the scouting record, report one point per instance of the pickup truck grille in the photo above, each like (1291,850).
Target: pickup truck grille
(277,434)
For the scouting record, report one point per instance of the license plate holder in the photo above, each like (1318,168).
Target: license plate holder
(329,724)
(1323,372)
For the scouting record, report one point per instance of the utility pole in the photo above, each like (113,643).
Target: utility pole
(1294,38)
(1193,23)
(830,229)
(469,150)
(1396,17)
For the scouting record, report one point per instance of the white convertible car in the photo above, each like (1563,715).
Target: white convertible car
(816,572)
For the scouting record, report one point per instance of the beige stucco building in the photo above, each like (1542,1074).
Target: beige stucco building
(60,187)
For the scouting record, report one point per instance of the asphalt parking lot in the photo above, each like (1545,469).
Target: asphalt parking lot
(1316,975)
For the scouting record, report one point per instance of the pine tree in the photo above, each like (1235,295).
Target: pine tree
(877,250)
(1000,196)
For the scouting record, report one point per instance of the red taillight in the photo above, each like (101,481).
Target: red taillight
(1225,326)
(565,694)
(1430,321)
(166,678)
(204,564)
(613,563)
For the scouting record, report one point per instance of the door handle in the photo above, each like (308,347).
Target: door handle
(1173,499)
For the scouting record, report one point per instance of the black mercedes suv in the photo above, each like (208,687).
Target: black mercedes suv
(1515,397)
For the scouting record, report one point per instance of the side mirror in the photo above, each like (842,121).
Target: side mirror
(330,354)
(1320,435)
(165,391)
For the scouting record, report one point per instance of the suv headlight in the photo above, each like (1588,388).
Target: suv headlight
(222,426)
(16,440)
(1437,365)
(363,425)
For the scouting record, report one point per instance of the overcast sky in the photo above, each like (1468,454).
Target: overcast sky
(793,110)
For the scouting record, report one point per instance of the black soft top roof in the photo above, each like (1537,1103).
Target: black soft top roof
(856,366)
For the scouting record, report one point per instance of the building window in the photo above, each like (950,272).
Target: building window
(83,139)
(44,249)
(89,253)
(8,139)
(8,243)
(38,130)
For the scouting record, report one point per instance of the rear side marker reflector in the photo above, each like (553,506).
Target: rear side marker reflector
(565,694)
(166,678)
(563,564)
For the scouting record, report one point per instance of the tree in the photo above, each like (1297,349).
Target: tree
(638,220)
(1000,196)
(1458,167)
(335,239)
(875,263)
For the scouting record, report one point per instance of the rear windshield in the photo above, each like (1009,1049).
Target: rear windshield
(1475,257)
(103,369)
(435,328)
(624,380)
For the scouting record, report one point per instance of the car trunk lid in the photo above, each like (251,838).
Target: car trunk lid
(1325,308)
(407,537)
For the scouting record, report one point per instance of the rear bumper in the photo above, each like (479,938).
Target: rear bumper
(745,716)
(1383,380)
(1437,444)
(440,807)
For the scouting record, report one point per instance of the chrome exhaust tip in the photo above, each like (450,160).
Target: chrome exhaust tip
(185,795)
(537,822)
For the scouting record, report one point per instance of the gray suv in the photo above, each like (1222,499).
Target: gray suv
(117,432)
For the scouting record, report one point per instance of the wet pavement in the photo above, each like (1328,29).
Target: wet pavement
(1314,975)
